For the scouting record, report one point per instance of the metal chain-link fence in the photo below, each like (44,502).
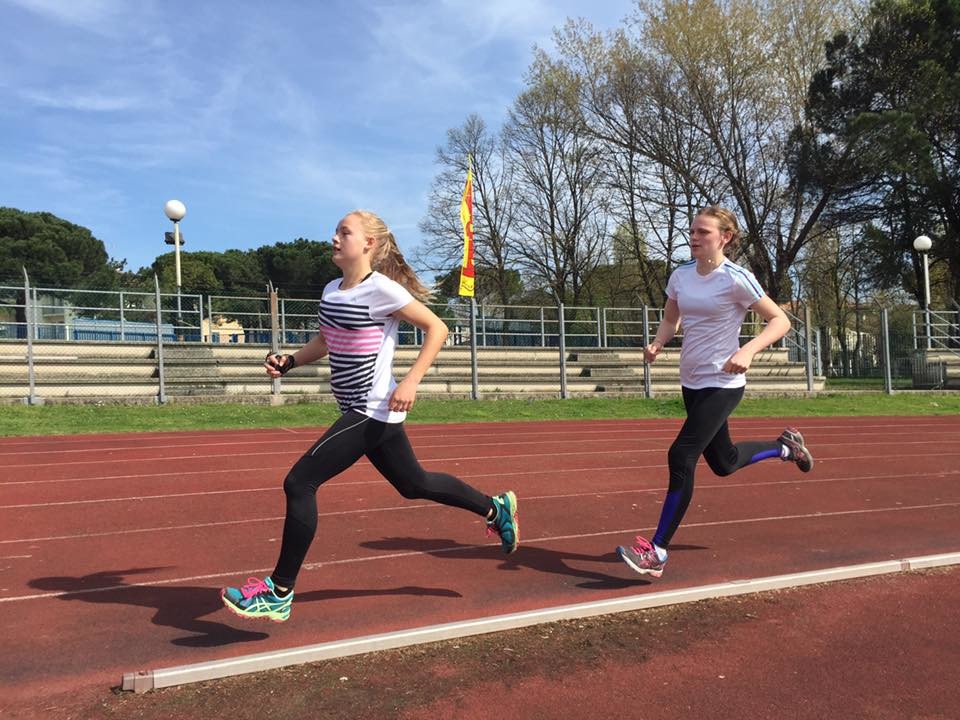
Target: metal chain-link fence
(62,344)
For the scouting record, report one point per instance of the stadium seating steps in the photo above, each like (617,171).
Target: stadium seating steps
(98,372)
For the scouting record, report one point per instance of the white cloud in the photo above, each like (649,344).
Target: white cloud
(279,115)
(64,100)
(101,17)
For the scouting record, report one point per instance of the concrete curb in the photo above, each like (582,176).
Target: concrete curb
(146,680)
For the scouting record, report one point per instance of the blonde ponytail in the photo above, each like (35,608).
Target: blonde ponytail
(387,258)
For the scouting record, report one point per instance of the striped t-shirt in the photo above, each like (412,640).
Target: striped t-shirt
(361,337)
(712,309)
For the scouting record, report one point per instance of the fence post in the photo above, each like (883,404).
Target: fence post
(162,393)
(562,342)
(200,318)
(647,380)
(808,340)
(474,379)
(483,327)
(28,316)
(274,339)
(210,317)
(885,337)
(819,349)
(123,336)
(601,328)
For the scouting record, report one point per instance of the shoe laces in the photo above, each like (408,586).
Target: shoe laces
(643,546)
(254,586)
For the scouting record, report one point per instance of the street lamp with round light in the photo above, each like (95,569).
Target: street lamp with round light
(175,210)
(922,245)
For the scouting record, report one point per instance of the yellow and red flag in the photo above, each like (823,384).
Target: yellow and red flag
(466,219)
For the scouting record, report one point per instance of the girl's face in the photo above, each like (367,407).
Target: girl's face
(350,244)
(706,239)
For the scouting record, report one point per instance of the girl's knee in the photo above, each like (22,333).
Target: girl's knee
(295,485)
(679,457)
(719,465)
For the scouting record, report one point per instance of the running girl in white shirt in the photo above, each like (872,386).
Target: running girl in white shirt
(360,314)
(710,297)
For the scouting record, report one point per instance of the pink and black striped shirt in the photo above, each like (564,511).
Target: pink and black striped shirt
(361,335)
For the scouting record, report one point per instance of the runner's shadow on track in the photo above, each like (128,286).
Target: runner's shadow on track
(531,556)
(316,595)
(176,606)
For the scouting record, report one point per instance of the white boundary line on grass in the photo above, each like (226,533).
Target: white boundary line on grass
(145,680)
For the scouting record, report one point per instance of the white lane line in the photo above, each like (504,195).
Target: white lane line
(274,488)
(286,466)
(488,429)
(262,453)
(465,548)
(620,450)
(557,435)
(552,436)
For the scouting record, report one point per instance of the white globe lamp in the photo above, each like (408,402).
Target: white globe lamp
(175,210)
(922,245)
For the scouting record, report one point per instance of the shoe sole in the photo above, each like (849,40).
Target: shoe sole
(621,551)
(512,499)
(272,617)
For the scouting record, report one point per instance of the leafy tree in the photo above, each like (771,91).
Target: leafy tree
(448,284)
(560,192)
(494,210)
(886,116)
(54,251)
(196,273)
(710,90)
(299,267)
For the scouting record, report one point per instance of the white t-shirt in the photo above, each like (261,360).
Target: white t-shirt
(712,309)
(361,336)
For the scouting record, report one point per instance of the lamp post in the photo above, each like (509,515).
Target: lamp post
(175,210)
(922,245)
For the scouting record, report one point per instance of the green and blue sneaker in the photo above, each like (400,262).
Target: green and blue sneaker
(257,599)
(504,522)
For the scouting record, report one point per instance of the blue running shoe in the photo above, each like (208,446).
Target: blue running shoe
(504,523)
(257,599)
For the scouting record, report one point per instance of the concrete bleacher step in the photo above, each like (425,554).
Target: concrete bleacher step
(75,370)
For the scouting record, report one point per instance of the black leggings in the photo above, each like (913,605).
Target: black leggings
(387,447)
(706,433)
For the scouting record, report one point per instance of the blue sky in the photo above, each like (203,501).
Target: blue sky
(268,120)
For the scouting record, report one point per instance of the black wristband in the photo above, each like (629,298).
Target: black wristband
(283,363)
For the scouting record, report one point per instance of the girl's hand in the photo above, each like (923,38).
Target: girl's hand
(739,362)
(277,365)
(651,351)
(403,397)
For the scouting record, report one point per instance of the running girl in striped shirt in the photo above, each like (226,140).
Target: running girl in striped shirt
(360,314)
(710,297)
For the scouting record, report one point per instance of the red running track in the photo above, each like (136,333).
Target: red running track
(113,547)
